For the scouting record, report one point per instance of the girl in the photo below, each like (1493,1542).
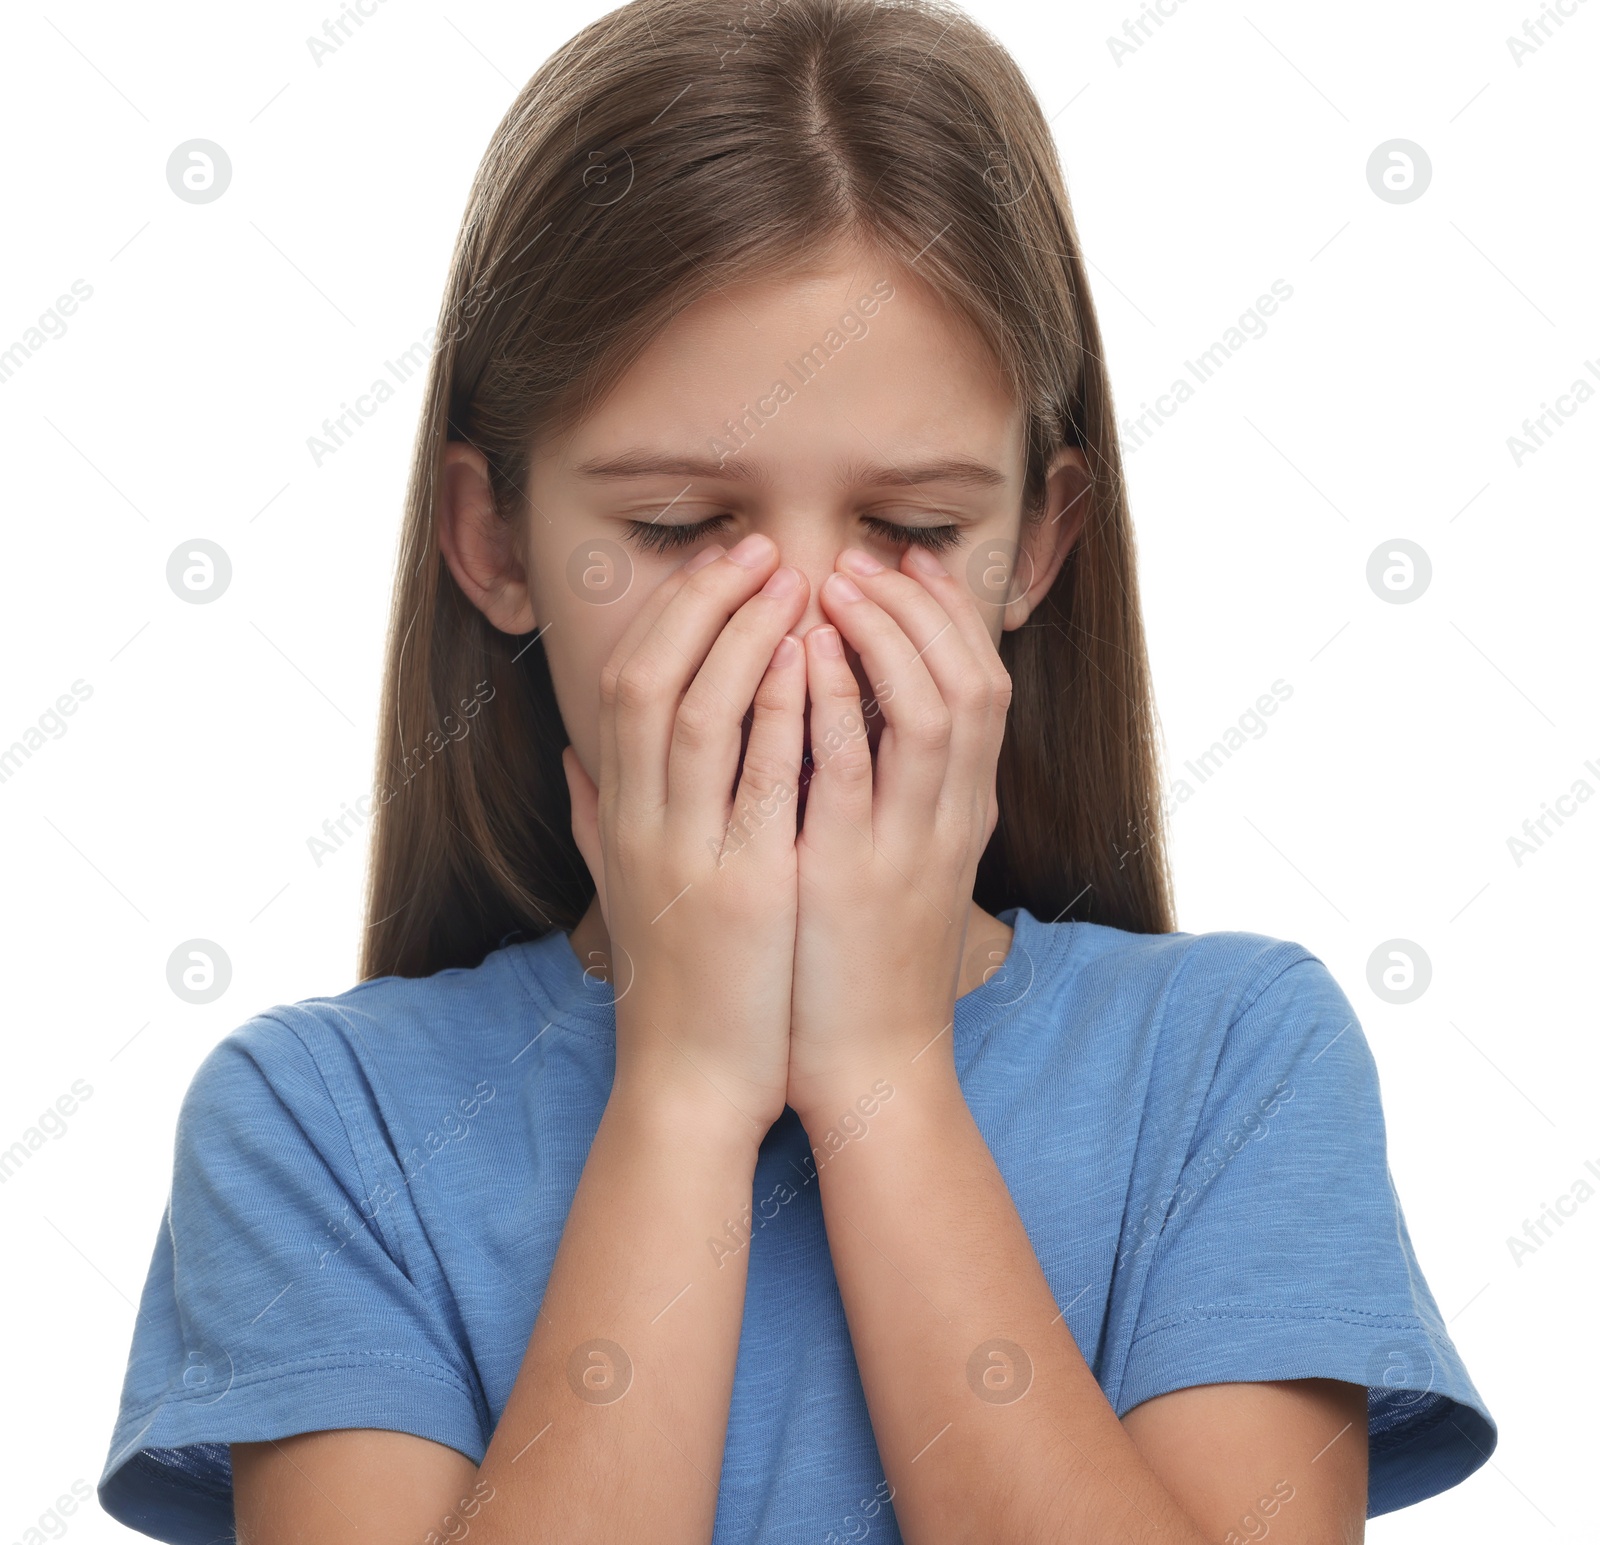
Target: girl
(777,1105)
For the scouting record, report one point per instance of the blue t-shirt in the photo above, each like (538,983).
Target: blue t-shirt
(369,1190)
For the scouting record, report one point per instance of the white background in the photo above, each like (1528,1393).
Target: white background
(1228,151)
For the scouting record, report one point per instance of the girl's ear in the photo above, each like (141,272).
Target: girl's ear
(479,546)
(1045,543)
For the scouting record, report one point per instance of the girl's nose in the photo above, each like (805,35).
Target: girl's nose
(814,555)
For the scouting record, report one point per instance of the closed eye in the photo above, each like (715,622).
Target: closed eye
(654,537)
(934,538)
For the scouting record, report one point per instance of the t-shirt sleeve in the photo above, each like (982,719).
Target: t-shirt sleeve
(278,1300)
(1280,1250)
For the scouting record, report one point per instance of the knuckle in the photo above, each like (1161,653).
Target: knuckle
(763,770)
(695,720)
(772,695)
(931,729)
(635,687)
(851,759)
(844,736)
(976,693)
(845,711)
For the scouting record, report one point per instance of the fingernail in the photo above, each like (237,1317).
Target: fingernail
(860,562)
(753,551)
(924,562)
(828,641)
(703,557)
(843,588)
(784,581)
(788,647)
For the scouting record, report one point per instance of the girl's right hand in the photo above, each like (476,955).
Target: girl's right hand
(697,881)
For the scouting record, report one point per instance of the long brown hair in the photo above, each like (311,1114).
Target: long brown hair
(670,147)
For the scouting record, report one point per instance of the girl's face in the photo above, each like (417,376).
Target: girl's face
(836,409)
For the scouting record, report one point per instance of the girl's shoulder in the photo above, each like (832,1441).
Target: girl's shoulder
(1195,1034)
(1221,987)
(391,1045)
(1232,961)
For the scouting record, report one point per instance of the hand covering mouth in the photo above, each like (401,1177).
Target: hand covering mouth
(874,730)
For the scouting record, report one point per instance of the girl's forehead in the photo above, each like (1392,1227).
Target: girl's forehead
(856,365)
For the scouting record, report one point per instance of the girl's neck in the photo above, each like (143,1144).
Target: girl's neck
(988,942)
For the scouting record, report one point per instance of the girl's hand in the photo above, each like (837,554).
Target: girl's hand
(696,879)
(888,853)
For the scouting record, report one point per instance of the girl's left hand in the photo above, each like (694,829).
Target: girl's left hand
(888,853)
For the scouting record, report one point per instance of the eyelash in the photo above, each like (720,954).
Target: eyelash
(658,538)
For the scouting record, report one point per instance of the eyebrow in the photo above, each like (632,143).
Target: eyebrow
(646,463)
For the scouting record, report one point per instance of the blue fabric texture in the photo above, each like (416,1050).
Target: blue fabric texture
(368,1192)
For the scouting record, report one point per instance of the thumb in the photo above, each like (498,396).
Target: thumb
(585,799)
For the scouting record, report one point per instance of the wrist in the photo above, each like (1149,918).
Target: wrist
(683,1120)
(841,1109)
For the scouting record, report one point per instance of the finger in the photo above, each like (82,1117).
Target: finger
(649,683)
(708,726)
(940,616)
(917,724)
(975,752)
(839,795)
(639,626)
(765,804)
(959,601)
(585,800)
